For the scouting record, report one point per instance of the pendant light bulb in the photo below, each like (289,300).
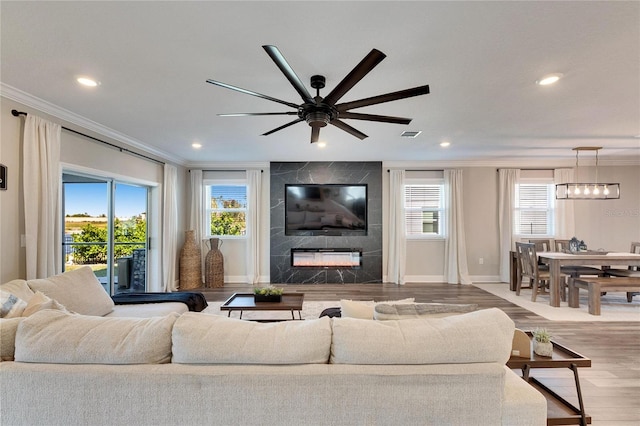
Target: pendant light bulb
(606,190)
(586,190)
(576,190)
(596,190)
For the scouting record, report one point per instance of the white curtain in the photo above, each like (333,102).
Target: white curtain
(196,214)
(169,229)
(507,180)
(254,188)
(455,257)
(564,213)
(42,197)
(396,261)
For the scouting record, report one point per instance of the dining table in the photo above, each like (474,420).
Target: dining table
(599,258)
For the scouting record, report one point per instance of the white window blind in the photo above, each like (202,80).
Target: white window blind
(534,209)
(226,209)
(423,209)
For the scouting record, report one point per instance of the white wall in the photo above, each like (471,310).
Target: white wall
(611,225)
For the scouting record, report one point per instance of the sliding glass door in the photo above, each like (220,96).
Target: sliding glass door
(105,227)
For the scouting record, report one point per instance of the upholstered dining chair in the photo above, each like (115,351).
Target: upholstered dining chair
(529,270)
(575,271)
(631,271)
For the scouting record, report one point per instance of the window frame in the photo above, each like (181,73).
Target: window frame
(441,209)
(550,209)
(207,210)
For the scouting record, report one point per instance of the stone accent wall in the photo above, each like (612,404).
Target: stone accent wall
(283,173)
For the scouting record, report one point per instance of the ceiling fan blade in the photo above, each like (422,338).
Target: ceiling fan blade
(246,114)
(344,126)
(367,64)
(249,92)
(315,134)
(372,117)
(402,94)
(286,69)
(284,126)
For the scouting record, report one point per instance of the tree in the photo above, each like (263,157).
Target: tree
(227,222)
(128,231)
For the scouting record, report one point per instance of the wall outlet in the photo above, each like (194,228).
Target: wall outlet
(481,261)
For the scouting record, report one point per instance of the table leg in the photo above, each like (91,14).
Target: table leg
(583,416)
(554,282)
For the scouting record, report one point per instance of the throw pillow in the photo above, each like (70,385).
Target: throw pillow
(78,291)
(10,305)
(41,302)
(8,328)
(384,311)
(18,288)
(213,339)
(364,309)
(57,337)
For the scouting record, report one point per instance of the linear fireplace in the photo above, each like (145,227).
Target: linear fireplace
(326,258)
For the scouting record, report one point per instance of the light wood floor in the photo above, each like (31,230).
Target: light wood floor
(611,387)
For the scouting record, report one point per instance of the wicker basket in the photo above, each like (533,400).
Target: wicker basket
(190,263)
(214,265)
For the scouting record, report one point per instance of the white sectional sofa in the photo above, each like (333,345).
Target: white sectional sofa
(203,369)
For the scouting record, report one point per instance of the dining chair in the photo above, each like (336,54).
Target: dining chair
(631,271)
(574,271)
(542,244)
(529,270)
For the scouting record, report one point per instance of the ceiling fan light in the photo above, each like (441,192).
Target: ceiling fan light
(319,118)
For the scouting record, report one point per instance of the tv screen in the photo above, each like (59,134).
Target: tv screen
(327,209)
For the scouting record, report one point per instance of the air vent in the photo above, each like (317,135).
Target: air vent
(410,134)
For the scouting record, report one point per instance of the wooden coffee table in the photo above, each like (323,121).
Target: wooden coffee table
(245,302)
(559,410)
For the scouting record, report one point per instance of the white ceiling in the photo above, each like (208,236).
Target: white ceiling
(480,59)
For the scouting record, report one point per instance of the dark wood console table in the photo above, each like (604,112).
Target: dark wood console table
(559,410)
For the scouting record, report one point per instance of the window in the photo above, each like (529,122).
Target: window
(534,209)
(105,227)
(424,209)
(226,209)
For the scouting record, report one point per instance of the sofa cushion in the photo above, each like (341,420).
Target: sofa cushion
(60,337)
(78,290)
(480,336)
(364,309)
(384,311)
(213,339)
(11,306)
(8,328)
(19,288)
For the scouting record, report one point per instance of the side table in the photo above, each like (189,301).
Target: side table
(559,410)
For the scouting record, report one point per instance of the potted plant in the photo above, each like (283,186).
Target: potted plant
(542,342)
(267,293)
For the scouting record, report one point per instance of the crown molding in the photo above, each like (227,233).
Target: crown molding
(514,163)
(230,165)
(67,116)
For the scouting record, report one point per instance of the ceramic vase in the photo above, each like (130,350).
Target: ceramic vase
(542,348)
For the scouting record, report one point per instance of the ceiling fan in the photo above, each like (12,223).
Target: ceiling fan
(318,111)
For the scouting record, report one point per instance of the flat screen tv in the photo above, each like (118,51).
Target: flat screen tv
(325,209)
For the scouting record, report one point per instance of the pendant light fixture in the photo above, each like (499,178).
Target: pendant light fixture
(587,191)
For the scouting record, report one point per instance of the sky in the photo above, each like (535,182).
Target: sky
(92,198)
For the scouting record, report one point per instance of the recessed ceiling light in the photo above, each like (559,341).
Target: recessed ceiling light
(86,81)
(196,145)
(410,134)
(549,79)
(445,144)
(322,144)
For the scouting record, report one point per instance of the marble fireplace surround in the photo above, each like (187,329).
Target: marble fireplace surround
(282,271)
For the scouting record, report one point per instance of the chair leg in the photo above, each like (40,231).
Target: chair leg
(534,290)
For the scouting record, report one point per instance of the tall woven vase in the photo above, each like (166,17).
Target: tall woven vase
(214,265)
(190,263)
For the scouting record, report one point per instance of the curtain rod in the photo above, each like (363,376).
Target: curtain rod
(224,170)
(542,170)
(17,113)
(418,170)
